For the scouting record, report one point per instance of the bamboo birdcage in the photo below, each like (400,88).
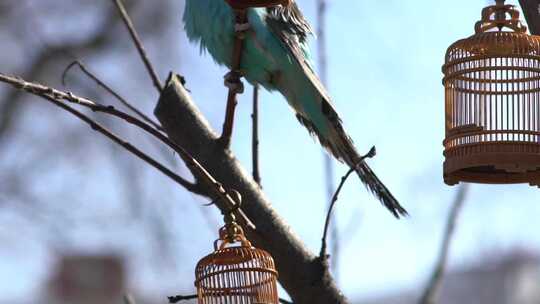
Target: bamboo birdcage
(236,274)
(492,88)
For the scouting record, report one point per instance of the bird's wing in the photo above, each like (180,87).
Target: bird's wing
(293,30)
(288,23)
(290,26)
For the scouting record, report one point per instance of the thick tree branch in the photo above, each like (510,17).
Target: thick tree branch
(531,9)
(10,107)
(301,273)
(434,284)
(322,64)
(255,136)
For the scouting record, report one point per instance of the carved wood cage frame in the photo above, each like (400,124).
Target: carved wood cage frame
(238,274)
(492,108)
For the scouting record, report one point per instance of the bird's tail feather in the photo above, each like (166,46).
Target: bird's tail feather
(372,182)
(343,148)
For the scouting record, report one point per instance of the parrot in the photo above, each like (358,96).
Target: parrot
(276,56)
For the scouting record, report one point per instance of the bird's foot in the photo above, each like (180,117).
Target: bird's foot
(233,82)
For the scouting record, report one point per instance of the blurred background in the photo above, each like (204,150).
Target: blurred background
(82,221)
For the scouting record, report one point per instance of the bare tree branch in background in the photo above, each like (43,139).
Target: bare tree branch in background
(107,88)
(98,40)
(41,46)
(138,44)
(255,136)
(328,162)
(430,293)
(57,97)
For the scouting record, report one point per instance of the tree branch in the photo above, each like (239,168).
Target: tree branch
(255,136)
(100,83)
(57,97)
(138,44)
(323,255)
(96,41)
(434,284)
(301,273)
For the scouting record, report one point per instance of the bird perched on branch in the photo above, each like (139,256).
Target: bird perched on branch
(276,56)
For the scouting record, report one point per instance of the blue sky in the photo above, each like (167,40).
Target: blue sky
(384,61)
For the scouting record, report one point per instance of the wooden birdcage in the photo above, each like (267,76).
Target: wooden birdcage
(236,274)
(492,88)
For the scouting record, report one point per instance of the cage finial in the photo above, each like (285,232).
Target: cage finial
(500,16)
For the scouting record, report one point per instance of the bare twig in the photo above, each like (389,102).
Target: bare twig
(321,41)
(100,83)
(323,255)
(37,67)
(57,96)
(138,44)
(435,281)
(327,160)
(255,136)
(300,274)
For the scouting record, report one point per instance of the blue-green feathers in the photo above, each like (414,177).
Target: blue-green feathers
(276,55)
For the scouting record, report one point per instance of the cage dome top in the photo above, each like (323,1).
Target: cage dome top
(500,32)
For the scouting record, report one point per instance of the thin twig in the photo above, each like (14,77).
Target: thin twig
(100,83)
(435,281)
(54,98)
(178,298)
(138,44)
(327,160)
(323,255)
(57,96)
(255,136)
